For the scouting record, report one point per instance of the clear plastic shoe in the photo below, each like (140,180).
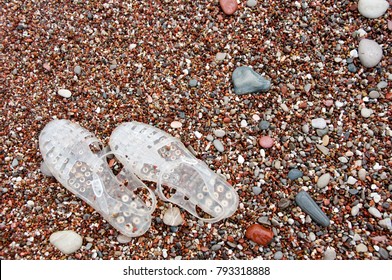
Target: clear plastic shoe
(75,158)
(154,155)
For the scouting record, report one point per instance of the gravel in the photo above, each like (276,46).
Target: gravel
(133,60)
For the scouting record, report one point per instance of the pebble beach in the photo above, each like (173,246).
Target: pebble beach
(289,101)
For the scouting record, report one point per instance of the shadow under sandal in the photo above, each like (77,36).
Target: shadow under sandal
(75,158)
(154,155)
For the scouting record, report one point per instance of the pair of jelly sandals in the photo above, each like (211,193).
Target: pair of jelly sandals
(76,158)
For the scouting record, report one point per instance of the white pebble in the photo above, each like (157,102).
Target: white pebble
(244,123)
(329,254)
(351,180)
(256,118)
(64,93)
(219,132)
(370,53)
(66,241)
(241,159)
(176,124)
(386,223)
(362,174)
(355,210)
(366,113)
(354,53)
(220,56)
(319,123)
(323,180)
(198,134)
(372,8)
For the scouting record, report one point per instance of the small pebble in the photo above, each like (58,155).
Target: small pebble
(264,125)
(251,3)
(218,145)
(351,180)
(77,70)
(323,180)
(386,223)
(362,174)
(383,253)
(241,159)
(66,241)
(330,254)
(123,239)
(219,132)
(366,113)
(256,190)
(278,255)
(319,123)
(374,94)
(294,174)
(193,83)
(361,248)
(284,203)
(172,217)
(228,6)
(220,56)
(176,124)
(64,93)
(374,212)
(382,84)
(266,142)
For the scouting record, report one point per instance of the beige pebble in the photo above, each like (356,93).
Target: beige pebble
(176,124)
(325,140)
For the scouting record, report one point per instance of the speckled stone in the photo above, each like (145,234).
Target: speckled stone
(306,203)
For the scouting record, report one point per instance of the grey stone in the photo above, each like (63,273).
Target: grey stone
(251,3)
(295,174)
(310,207)
(218,145)
(15,162)
(264,125)
(256,190)
(78,70)
(386,223)
(216,247)
(383,253)
(329,254)
(246,80)
(278,255)
(382,84)
(323,180)
(374,94)
(323,149)
(193,83)
(361,248)
(220,56)
(374,212)
(352,68)
(219,132)
(284,203)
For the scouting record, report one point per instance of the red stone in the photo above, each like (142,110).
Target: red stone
(228,6)
(226,120)
(266,142)
(259,234)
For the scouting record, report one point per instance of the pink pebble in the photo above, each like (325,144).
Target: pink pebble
(228,6)
(266,142)
(328,102)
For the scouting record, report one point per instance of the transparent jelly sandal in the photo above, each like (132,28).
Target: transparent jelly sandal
(154,155)
(75,158)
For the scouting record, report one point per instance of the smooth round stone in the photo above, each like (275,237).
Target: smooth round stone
(251,3)
(330,254)
(218,145)
(228,6)
(259,234)
(266,142)
(374,212)
(351,180)
(45,170)
(176,124)
(241,159)
(374,94)
(66,241)
(295,174)
(193,83)
(323,180)
(372,8)
(278,255)
(319,123)
(305,129)
(264,125)
(172,217)
(64,93)
(30,203)
(77,70)
(361,248)
(370,53)
(366,113)
(219,132)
